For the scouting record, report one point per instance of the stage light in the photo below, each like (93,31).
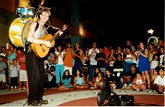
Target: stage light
(150,31)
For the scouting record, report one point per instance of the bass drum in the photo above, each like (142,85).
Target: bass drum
(18,31)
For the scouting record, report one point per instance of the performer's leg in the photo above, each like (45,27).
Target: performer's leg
(33,75)
(40,90)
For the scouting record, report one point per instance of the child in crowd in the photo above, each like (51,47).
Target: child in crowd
(14,68)
(159,82)
(109,77)
(138,83)
(66,81)
(79,80)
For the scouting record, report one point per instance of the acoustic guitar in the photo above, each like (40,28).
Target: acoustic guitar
(41,50)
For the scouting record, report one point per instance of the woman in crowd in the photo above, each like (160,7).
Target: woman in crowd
(144,64)
(66,81)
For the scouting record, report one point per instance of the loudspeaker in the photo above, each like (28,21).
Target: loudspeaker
(121,100)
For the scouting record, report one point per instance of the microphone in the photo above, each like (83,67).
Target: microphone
(52,27)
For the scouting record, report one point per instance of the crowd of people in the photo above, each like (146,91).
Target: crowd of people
(131,67)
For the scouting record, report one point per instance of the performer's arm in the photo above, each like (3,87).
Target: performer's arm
(30,37)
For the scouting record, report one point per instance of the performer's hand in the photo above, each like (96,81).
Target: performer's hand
(64,27)
(48,44)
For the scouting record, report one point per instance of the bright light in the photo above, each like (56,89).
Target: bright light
(81,30)
(150,31)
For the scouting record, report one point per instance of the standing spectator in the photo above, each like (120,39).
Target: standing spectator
(59,54)
(129,43)
(3,67)
(86,56)
(13,72)
(161,55)
(101,57)
(144,64)
(22,72)
(78,54)
(151,51)
(107,53)
(11,55)
(93,63)
(68,59)
(111,59)
(4,52)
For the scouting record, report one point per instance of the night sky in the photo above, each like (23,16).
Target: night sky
(119,20)
(130,19)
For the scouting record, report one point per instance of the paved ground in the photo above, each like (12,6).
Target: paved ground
(59,98)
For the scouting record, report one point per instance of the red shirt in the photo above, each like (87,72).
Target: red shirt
(21,60)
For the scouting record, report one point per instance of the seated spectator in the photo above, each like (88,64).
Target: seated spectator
(155,74)
(118,69)
(130,59)
(128,77)
(66,81)
(154,63)
(98,82)
(109,77)
(51,78)
(138,83)
(119,62)
(79,80)
(97,70)
(159,82)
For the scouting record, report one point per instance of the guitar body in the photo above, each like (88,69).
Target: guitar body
(42,50)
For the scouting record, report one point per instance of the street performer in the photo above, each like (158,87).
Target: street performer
(34,63)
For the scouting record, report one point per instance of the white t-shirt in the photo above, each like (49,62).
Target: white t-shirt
(159,80)
(154,64)
(161,59)
(92,58)
(60,58)
(14,70)
(50,77)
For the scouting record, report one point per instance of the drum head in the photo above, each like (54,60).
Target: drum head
(18,31)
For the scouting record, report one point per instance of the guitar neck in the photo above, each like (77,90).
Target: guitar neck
(56,35)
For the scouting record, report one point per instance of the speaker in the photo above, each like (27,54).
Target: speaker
(121,100)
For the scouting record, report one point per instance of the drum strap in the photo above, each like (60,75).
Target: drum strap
(28,44)
(37,26)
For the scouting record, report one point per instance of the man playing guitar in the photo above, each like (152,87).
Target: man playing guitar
(34,63)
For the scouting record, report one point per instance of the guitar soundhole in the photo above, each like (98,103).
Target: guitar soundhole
(42,48)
